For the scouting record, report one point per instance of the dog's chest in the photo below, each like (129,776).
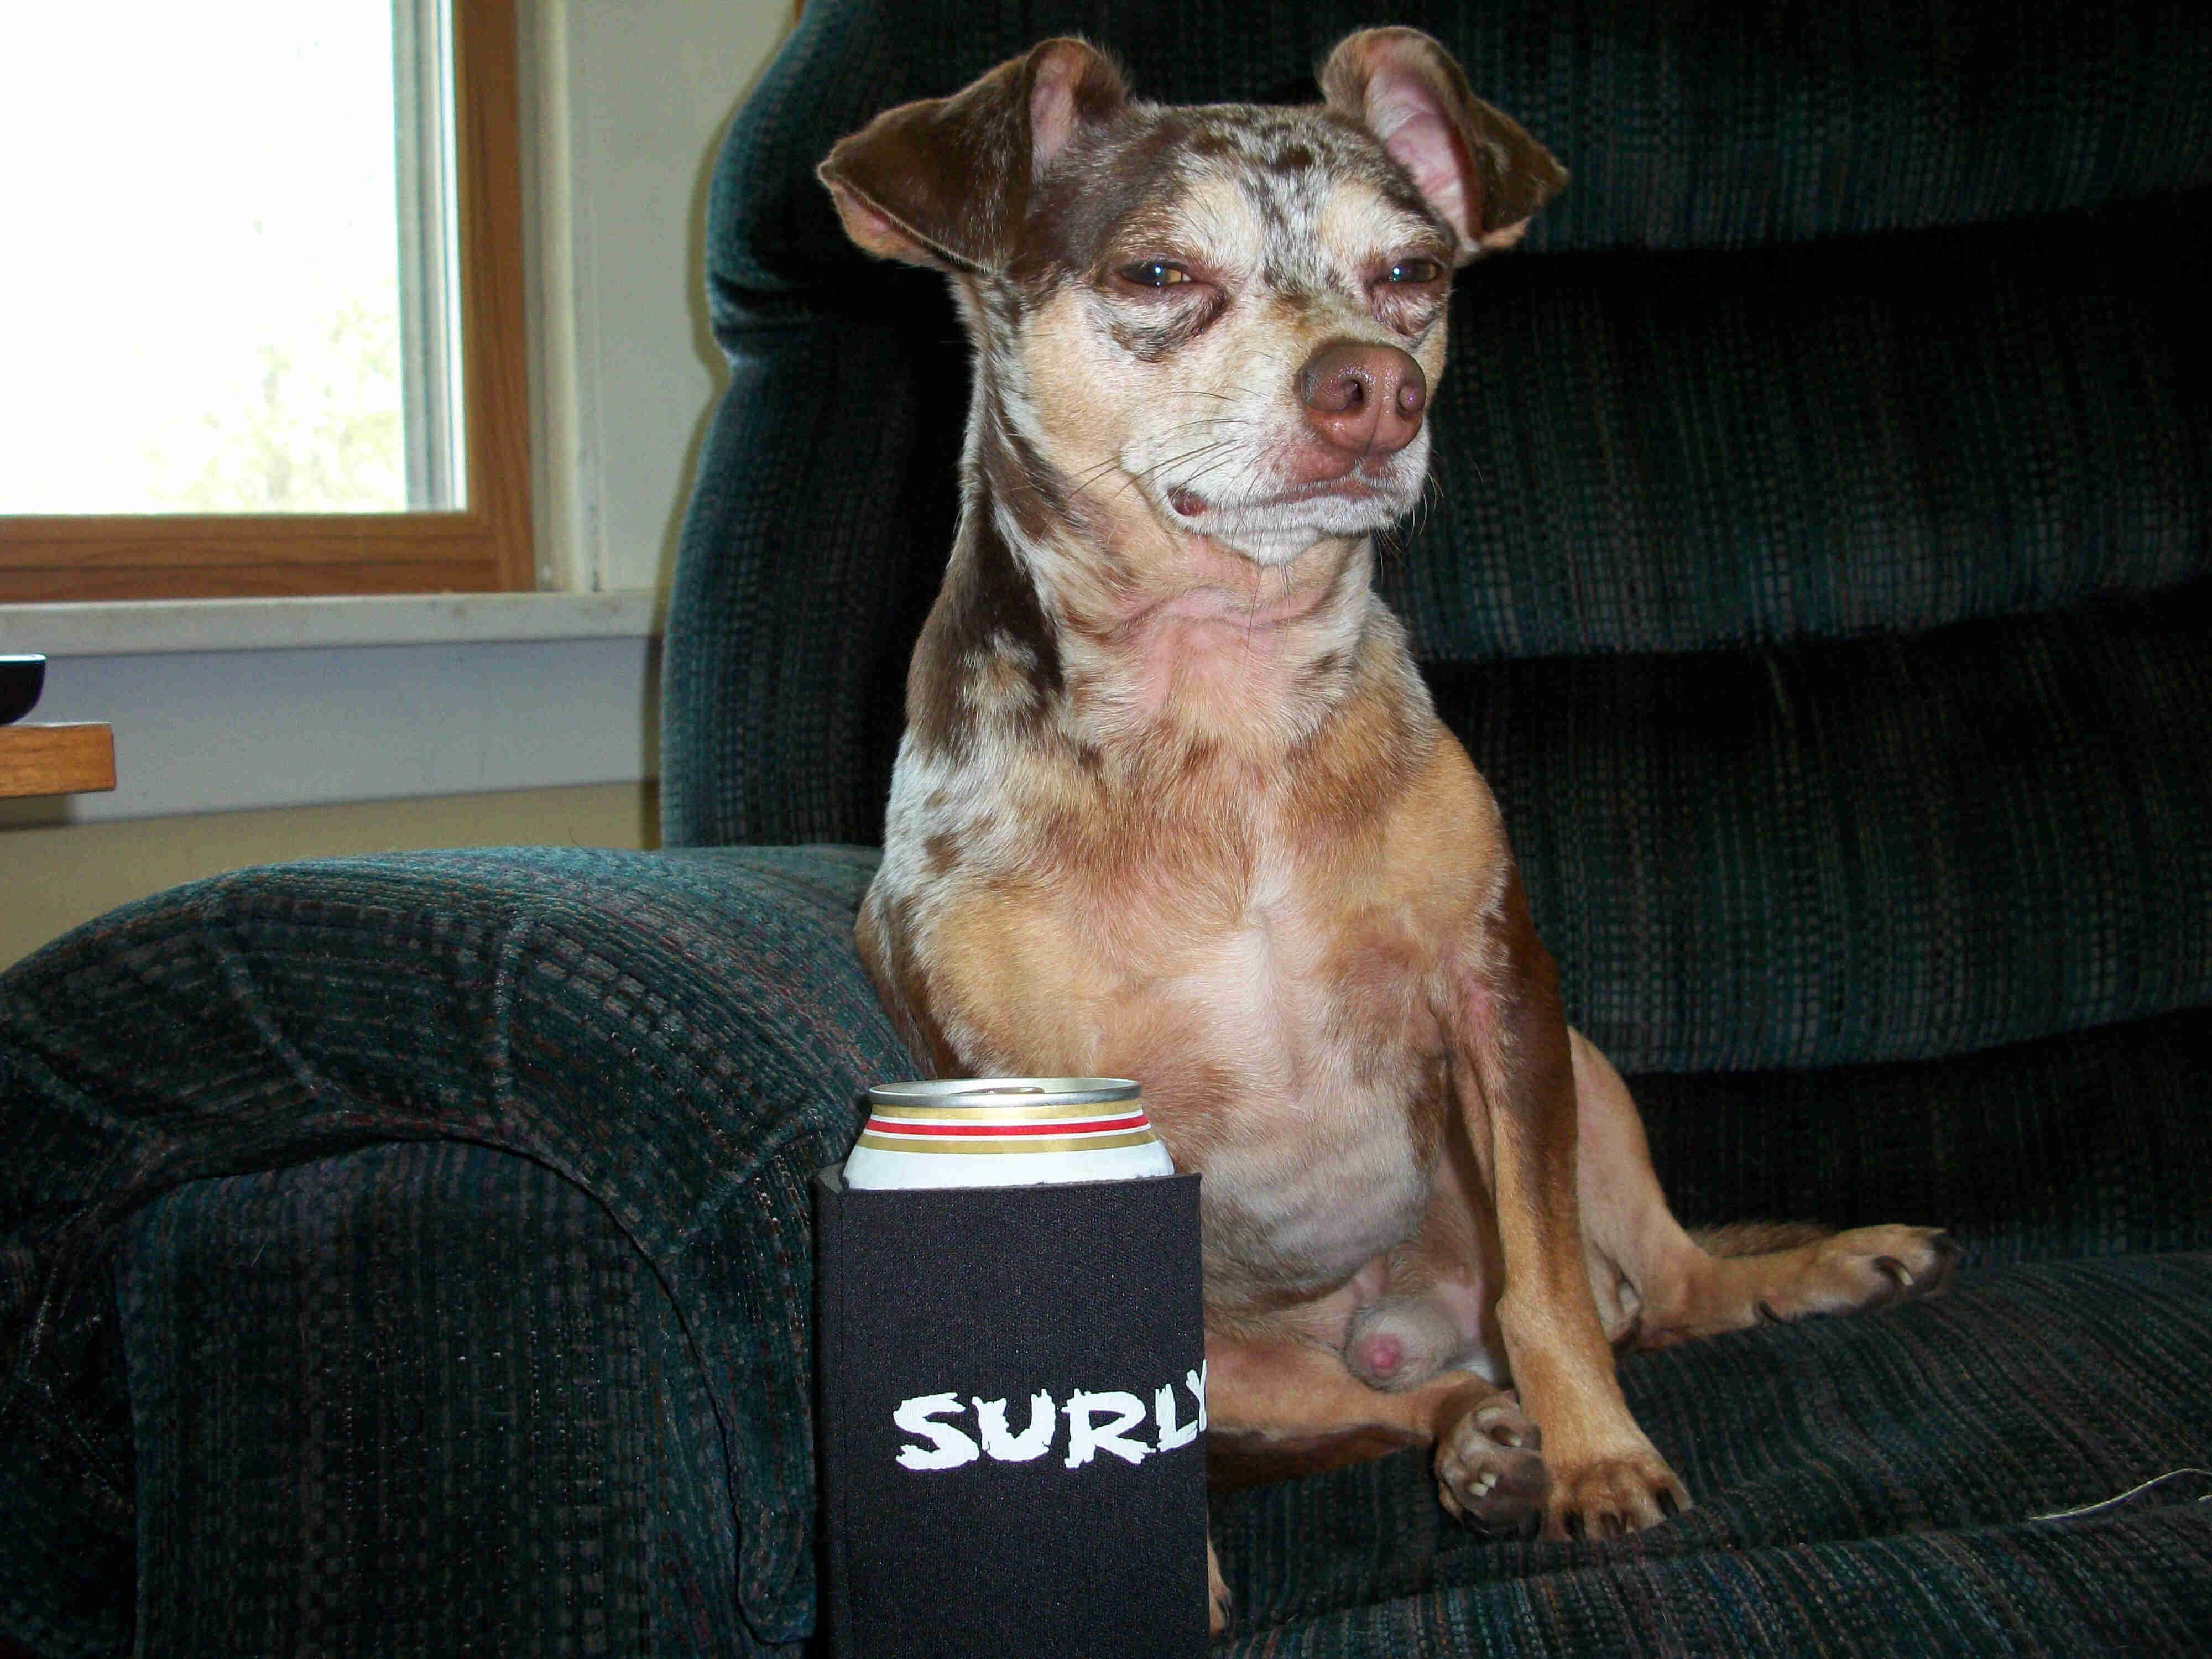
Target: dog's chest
(1276,958)
(1294,1056)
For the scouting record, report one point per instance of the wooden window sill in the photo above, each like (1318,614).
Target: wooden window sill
(141,627)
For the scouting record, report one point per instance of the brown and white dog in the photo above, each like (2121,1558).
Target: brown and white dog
(1173,803)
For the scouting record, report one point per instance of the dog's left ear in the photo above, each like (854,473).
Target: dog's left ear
(1473,164)
(945,182)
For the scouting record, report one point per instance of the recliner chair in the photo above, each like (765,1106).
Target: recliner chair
(412,1255)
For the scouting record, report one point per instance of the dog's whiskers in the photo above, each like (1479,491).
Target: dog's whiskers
(1142,475)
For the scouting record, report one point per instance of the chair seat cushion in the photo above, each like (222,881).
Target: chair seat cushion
(1863,1485)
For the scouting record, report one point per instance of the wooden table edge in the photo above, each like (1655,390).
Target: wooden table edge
(77,757)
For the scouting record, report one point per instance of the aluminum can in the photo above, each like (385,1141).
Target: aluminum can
(1004,1131)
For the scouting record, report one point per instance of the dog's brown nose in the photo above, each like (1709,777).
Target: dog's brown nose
(1364,399)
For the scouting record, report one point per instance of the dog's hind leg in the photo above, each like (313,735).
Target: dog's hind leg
(1658,1284)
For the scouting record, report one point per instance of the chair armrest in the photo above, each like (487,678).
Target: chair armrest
(684,1037)
(416,1400)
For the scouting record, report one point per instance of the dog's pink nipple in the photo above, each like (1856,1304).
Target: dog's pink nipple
(1189,502)
(1383,1355)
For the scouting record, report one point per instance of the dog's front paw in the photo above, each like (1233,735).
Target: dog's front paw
(1613,1494)
(1847,1272)
(1490,1467)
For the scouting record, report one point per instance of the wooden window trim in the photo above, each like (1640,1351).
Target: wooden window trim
(484,549)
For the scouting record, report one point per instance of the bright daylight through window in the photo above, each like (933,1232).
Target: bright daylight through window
(232,286)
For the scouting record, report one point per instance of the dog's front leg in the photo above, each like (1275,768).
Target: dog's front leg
(1514,1077)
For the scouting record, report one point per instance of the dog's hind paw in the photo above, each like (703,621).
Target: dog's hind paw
(1768,1275)
(1853,1272)
(1490,1467)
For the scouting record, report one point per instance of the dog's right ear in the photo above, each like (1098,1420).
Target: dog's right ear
(945,182)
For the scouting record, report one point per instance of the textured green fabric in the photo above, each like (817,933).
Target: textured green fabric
(2091,1144)
(1883,848)
(681,1037)
(800,588)
(1863,1486)
(1673,452)
(443,1394)
(68,1506)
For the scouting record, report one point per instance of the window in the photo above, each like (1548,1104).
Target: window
(263,312)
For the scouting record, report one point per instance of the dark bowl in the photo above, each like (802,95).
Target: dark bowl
(21,679)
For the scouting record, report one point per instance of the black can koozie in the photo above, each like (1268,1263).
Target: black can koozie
(1011,1384)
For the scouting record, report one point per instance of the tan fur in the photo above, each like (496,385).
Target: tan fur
(1174,804)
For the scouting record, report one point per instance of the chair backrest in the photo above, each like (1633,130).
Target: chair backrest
(1780,470)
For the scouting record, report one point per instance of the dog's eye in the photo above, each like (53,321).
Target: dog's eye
(1413,271)
(1154,273)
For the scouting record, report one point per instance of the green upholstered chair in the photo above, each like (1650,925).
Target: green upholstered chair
(410,1255)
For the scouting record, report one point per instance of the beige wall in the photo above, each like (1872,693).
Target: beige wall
(54,876)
